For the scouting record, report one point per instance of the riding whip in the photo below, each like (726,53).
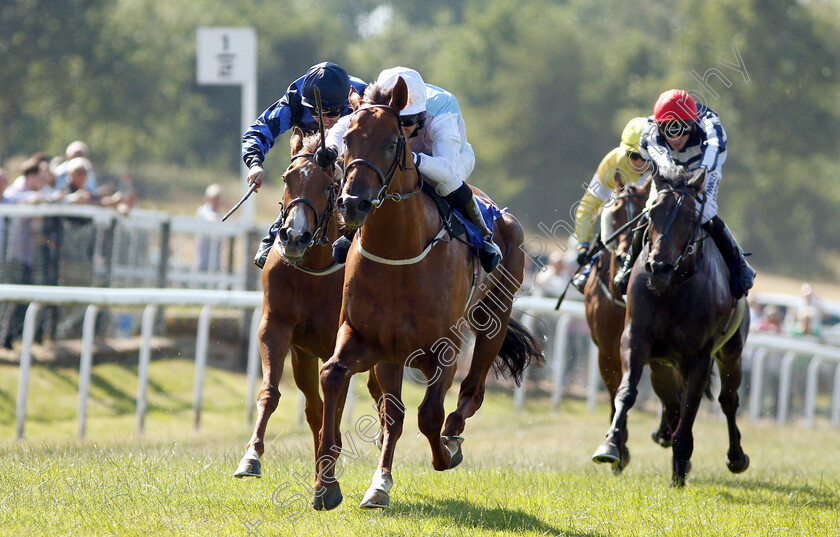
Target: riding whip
(230,212)
(321,123)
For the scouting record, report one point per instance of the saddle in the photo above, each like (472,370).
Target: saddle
(459,225)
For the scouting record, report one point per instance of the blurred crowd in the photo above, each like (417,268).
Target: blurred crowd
(30,248)
(809,318)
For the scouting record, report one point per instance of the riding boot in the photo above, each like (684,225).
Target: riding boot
(490,255)
(622,277)
(741,273)
(266,243)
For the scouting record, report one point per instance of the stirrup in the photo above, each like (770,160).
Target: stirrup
(579,279)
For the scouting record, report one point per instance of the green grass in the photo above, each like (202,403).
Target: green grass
(522,475)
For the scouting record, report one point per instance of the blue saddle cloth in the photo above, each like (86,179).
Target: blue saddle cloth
(462,225)
(490,212)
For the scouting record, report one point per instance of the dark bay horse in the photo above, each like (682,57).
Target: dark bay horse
(411,293)
(301,296)
(605,306)
(680,314)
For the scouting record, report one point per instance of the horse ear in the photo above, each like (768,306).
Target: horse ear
(698,179)
(296,141)
(355,99)
(399,95)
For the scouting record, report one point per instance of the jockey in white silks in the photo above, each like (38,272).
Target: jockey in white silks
(437,136)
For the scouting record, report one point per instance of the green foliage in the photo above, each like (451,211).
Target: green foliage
(546,87)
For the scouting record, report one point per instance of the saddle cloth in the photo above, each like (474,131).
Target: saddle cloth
(461,225)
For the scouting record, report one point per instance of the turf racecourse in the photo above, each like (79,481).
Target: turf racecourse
(522,475)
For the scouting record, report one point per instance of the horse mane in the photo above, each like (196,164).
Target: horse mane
(311,142)
(377,94)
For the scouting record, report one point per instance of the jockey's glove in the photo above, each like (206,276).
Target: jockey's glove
(583,256)
(325,156)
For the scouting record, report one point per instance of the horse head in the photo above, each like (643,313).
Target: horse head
(628,202)
(308,198)
(674,219)
(375,154)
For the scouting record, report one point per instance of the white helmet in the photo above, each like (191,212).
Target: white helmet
(416,88)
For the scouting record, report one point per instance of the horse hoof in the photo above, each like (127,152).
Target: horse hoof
(607,453)
(739,466)
(377,494)
(625,460)
(661,440)
(376,499)
(325,499)
(677,482)
(453,444)
(248,467)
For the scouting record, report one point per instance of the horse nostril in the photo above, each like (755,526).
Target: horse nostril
(340,204)
(365,206)
(284,236)
(305,238)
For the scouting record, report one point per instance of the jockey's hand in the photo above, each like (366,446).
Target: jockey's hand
(583,256)
(326,156)
(255,176)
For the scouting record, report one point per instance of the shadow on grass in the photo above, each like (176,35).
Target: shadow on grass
(745,492)
(469,516)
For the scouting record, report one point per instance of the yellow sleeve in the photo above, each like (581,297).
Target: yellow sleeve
(585,215)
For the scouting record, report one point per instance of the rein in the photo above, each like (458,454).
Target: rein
(689,245)
(398,163)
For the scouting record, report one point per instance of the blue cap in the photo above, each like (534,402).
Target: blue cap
(333,82)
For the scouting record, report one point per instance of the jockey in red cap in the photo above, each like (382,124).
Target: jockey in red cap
(683,134)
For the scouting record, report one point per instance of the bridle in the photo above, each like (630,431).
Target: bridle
(399,163)
(319,237)
(689,248)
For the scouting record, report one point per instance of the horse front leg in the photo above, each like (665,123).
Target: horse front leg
(635,351)
(274,336)
(696,376)
(335,377)
(392,414)
(305,372)
(446,452)
(667,385)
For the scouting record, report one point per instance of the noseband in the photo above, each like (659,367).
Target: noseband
(399,162)
(689,245)
(320,235)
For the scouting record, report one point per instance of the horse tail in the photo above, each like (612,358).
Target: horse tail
(519,350)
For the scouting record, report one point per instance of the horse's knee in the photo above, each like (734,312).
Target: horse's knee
(728,402)
(627,394)
(332,377)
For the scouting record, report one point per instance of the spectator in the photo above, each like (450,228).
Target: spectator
(209,249)
(771,319)
(20,252)
(74,150)
(77,176)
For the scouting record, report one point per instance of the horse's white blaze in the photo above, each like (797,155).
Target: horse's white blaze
(299,219)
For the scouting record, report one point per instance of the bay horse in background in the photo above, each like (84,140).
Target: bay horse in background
(301,296)
(680,314)
(605,306)
(409,293)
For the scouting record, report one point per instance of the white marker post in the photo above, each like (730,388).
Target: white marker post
(228,57)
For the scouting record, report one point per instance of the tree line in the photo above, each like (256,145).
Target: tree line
(546,87)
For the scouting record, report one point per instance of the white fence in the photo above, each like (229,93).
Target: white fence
(759,347)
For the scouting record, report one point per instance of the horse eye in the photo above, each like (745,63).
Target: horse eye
(392,146)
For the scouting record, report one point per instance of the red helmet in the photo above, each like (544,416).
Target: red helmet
(674,105)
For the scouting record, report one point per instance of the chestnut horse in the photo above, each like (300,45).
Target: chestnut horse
(605,306)
(680,314)
(301,296)
(409,292)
